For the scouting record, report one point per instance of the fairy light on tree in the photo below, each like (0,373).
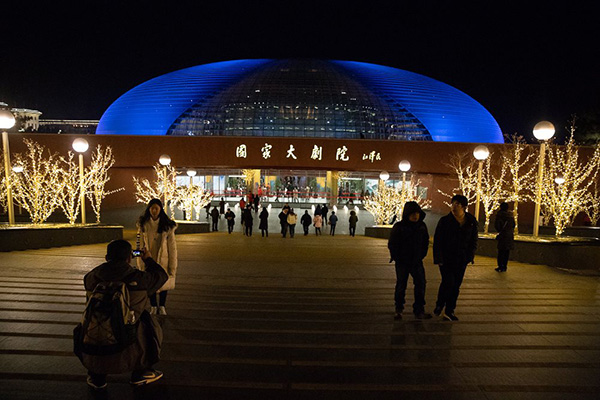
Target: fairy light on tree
(69,198)
(2,185)
(466,173)
(36,188)
(564,201)
(493,182)
(97,177)
(163,186)
(521,177)
(191,198)
(593,204)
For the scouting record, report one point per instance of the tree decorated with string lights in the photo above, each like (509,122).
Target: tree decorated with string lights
(3,192)
(163,187)
(493,191)
(593,204)
(388,201)
(69,198)
(563,201)
(465,168)
(97,177)
(520,175)
(37,187)
(191,197)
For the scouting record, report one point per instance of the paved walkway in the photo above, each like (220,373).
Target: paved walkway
(310,318)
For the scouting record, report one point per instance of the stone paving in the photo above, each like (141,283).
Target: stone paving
(310,318)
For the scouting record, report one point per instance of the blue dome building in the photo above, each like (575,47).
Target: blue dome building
(300,98)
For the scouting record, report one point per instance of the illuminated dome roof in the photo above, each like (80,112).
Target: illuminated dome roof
(300,98)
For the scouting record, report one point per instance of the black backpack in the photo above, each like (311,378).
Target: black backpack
(108,324)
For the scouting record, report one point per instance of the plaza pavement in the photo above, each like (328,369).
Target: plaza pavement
(310,318)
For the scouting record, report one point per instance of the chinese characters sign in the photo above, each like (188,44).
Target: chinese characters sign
(316,153)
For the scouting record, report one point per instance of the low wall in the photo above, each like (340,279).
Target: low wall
(29,237)
(579,231)
(184,227)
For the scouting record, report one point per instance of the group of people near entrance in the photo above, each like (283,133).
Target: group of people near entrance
(454,245)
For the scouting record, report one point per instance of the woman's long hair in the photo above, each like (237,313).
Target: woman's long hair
(164,222)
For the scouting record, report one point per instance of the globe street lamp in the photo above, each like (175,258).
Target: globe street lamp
(191,173)
(481,153)
(7,121)
(80,146)
(559,180)
(404,166)
(164,160)
(542,131)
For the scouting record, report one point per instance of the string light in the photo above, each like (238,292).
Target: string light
(162,187)
(69,197)
(191,198)
(97,177)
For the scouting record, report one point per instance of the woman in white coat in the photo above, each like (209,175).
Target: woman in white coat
(157,235)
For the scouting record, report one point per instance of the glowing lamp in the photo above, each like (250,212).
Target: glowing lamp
(80,145)
(164,160)
(404,166)
(559,180)
(7,119)
(384,176)
(481,152)
(543,130)
(190,172)
(17,168)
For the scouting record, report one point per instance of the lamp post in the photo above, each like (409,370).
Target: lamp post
(80,146)
(191,173)
(164,160)
(18,169)
(383,176)
(7,121)
(542,131)
(481,153)
(404,166)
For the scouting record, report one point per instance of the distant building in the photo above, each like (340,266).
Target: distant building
(27,120)
(75,126)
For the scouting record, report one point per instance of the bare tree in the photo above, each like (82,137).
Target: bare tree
(69,198)
(465,168)
(493,181)
(97,177)
(163,187)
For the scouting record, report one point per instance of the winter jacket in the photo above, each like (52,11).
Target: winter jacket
(318,221)
(292,219)
(454,244)
(409,241)
(505,226)
(333,219)
(222,207)
(230,217)
(146,350)
(248,218)
(167,253)
(306,220)
(215,215)
(352,221)
(283,218)
(264,220)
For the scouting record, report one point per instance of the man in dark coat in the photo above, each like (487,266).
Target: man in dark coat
(141,355)
(222,206)
(505,226)
(215,219)
(283,220)
(264,222)
(324,212)
(230,217)
(408,245)
(333,219)
(306,220)
(248,220)
(454,245)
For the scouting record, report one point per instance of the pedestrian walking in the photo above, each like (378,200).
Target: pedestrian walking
(352,221)
(215,219)
(408,245)
(292,219)
(333,219)
(248,220)
(264,222)
(230,217)
(283,221)
(306,220)
(256,203)
(505,226)
(454,245)
(207,208)
(324,211)
(144,351)
(242,204)
(317,222)
(157,235)
(222,207)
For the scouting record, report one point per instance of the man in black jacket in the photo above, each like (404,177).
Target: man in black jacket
(454,245)
(306,220)
(408,245)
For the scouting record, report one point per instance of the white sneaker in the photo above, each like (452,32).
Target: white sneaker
(153,310)
(162,310)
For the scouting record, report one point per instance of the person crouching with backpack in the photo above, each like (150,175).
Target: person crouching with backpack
(117,333)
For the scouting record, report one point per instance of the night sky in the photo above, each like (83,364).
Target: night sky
(524,63)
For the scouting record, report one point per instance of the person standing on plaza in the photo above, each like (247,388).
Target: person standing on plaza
(215,219)
(292,219)
(264,222)
(333,219)
(317,222)
(454,245)
(505,226)
(324,211)
(157,235)
(256,203)
(222,207)
(352,221)
(242,204)
(283,220)
(207,208)
(248,220)
(230,217)
(306,220)
(318,210)
(408,245)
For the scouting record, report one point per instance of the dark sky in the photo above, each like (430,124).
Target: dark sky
(523,63)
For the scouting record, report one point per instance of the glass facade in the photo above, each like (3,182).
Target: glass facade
(299,98)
